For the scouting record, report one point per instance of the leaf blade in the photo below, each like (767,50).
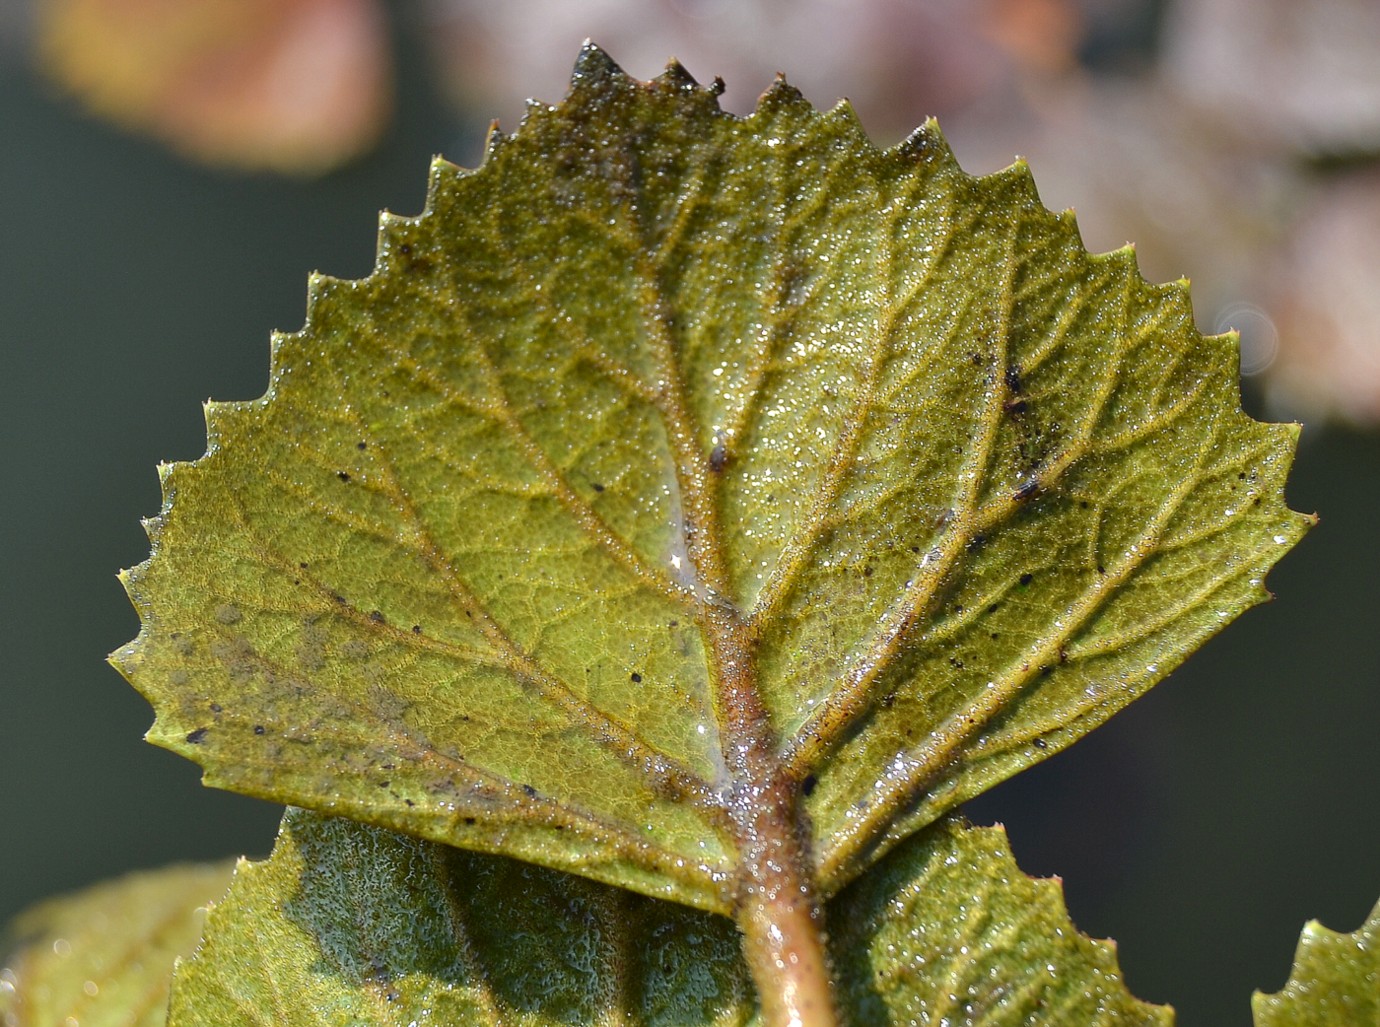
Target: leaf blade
(672,459)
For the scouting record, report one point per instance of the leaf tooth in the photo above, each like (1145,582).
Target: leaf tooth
(677,76)
(926,145)
(596,71)
(441,176)
(844,116)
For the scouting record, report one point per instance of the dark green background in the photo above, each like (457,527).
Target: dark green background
(1200,828)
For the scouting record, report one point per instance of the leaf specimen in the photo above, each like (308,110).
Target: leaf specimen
(703,505)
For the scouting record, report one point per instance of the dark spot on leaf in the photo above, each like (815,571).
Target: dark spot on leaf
(1027,578)
(258,729)
(1101,569)
(343,475)
(196,736)
(955,662)
(384,784)
(635,678)
(1012,378)
(1045,669)
(994,607)
(416,629)
(215,707)
(807,786)
(976,542)
(598,487)
(867,571)
(469,820)
(1017,407)
(361,445)
(376,616)
(673,624)
(1027,489)
(409,802)
(338,598)
(303,565)
(529,791)
(889,700)
(405,249)
(718,457)
(1040,743)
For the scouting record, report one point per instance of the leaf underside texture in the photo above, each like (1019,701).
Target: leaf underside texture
(352,924)
(673,459)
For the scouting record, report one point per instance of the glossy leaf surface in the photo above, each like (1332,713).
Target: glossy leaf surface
(1335,980)
(104,956)
(673,462)
(352,924)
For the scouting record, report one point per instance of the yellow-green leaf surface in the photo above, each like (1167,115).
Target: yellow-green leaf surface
(1335,981)
(104,957)
(675,469)
(353,924)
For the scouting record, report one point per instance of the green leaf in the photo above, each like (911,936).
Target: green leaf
(948,930)
(352,924)
(1335,981)
(104,956)
(685,496)
(347,924)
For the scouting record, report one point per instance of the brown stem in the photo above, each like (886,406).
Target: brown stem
(775,905)
(780,917)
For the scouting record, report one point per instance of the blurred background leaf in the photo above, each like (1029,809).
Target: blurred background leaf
(137,284)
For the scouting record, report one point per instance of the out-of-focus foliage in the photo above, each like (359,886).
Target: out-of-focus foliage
(1214,125)
(104,956)
(295,86)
